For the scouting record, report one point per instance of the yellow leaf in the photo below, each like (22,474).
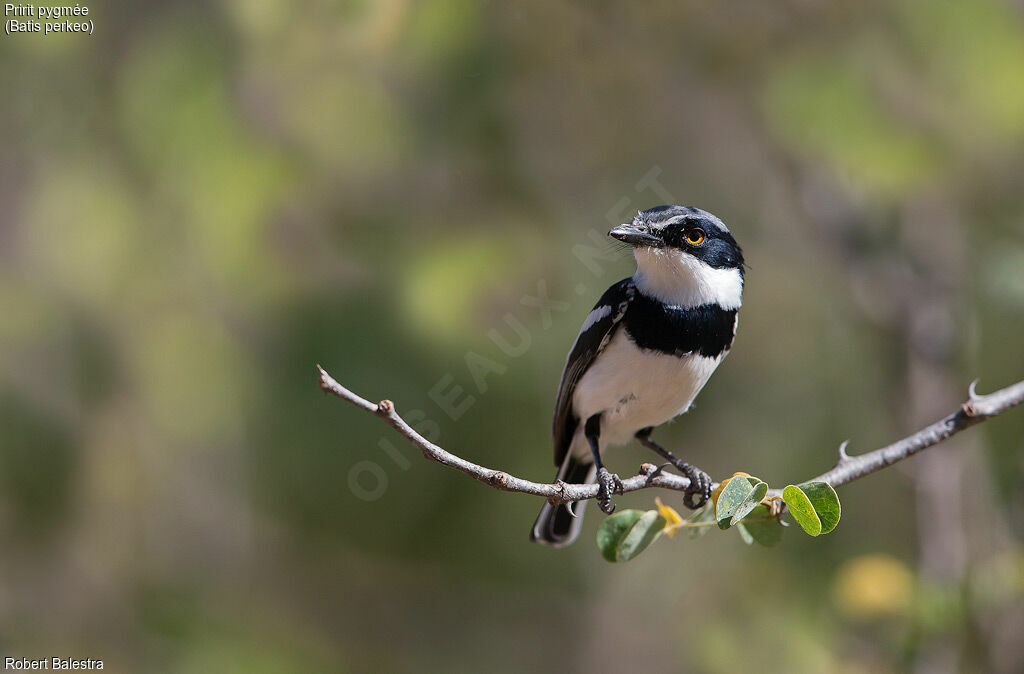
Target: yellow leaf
(671,516)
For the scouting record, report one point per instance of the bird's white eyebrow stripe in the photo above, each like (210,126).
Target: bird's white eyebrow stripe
(594,316)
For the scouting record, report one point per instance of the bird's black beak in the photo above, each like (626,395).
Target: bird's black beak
(635,236)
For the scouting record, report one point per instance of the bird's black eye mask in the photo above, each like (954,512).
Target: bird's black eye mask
(687,235)
(716,248)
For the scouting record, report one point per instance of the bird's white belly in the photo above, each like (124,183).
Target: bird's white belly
(634,389)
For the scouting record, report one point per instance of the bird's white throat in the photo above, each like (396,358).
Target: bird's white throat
(677,278)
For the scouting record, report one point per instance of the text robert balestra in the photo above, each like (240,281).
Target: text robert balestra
(54,663)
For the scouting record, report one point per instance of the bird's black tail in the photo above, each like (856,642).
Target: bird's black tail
(556,525)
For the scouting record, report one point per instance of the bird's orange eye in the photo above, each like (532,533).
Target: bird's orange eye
(695,237)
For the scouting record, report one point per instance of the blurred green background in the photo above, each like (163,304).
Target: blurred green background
(203,200)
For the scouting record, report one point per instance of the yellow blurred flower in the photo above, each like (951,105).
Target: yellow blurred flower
(873,586)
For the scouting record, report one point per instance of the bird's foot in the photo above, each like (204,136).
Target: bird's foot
(608,484)
(700,485)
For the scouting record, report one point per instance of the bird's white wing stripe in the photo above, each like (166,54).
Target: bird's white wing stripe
(594,316)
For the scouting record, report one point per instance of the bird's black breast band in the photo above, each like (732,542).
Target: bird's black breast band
(707,329)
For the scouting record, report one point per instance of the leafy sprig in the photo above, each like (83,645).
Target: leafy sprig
(740,502)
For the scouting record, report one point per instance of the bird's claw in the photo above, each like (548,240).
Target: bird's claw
(608,484)
(700,485)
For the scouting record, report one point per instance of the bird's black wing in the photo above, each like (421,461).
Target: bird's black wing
(589,343)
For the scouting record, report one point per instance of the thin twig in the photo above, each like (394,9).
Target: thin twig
(978,408)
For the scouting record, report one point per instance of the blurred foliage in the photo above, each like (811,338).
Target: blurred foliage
(201,201)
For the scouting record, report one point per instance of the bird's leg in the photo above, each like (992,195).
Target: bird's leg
(608,483)
(700,482)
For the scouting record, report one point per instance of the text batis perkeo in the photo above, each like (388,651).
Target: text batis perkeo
(46,19)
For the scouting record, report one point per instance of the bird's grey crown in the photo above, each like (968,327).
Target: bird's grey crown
(662,216)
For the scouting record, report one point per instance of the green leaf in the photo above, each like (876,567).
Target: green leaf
(735,496)
(765,531)
(826,503)
(752,500)
(613,529)
(814,505)
(626,534)
(640,535)
(801,509)
(744,534)
(705,513)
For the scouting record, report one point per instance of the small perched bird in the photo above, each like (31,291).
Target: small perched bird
(644,353)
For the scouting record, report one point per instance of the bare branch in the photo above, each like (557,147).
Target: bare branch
(558,492)
(978,408)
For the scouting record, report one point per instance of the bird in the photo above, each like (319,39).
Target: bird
(642,355)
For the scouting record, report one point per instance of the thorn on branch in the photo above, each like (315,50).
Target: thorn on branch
(970,408)
(843,456)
